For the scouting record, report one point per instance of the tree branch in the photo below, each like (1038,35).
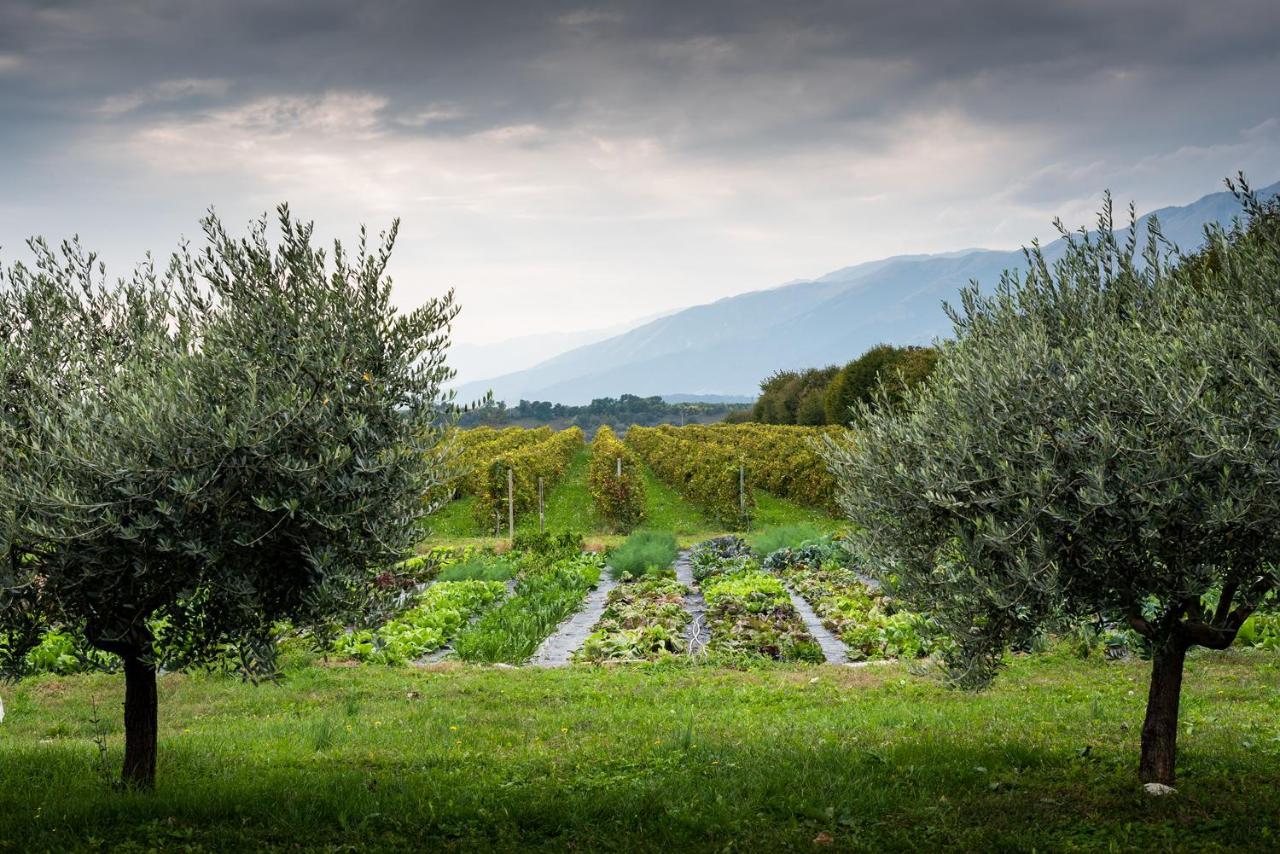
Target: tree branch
(1224,602)
(1140,625)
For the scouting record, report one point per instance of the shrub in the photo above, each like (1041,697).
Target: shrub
(643,552)
(783,537)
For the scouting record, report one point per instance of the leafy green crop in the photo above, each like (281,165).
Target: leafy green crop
(543,597)
(749,609)
(753,589)
(643,619)
(441,611)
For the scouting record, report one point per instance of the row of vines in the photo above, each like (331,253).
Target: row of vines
(783,460)
(616,481)
(480,446)
(709,474)
(520,468)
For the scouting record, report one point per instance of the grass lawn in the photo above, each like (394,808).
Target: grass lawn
(655,758)
(454,521)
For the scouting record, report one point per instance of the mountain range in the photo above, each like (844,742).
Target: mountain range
(726,347)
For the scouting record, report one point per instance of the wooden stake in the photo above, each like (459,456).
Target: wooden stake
(619,468)
(742,490)
(511,505)
(542,516)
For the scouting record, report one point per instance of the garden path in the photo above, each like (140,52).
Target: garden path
(698,633)
(832,647)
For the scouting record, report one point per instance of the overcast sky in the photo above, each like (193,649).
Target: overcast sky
(570,166)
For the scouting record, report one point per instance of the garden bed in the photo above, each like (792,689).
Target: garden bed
(866,620)
(441,611)
(643,620)
(749,610)
(545,594)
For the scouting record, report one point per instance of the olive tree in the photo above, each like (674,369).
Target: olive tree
(1100,440)
(234,441)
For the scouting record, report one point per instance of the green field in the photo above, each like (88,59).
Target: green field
(652,758)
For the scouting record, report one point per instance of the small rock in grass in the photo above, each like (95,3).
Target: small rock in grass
(1158,789)
(823,838)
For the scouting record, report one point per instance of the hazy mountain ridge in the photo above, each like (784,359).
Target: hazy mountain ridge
(726,347)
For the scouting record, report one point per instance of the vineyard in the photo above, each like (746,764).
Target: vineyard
(694,479)
(781,459)
(720,466)
(479,447)
(711,475)
(511,477)
(615,481)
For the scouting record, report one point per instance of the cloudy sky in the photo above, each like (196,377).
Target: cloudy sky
(570,166)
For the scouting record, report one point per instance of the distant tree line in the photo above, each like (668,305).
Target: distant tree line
(619,412)
(827,395)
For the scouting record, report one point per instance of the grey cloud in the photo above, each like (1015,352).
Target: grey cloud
(515,62)
(996,111)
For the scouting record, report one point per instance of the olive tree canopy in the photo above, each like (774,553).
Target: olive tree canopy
(1101,440)
(201,452)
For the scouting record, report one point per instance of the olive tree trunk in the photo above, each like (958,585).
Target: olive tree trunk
(140,717)
(1160,729)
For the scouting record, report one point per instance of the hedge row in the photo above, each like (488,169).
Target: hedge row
(706,473)
(547,459)
(619,497)
(781,459)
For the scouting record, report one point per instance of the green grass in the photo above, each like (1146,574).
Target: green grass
(666,510)
(454,521)
(650,758)
(772,511)
(643,552)
(568,506)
